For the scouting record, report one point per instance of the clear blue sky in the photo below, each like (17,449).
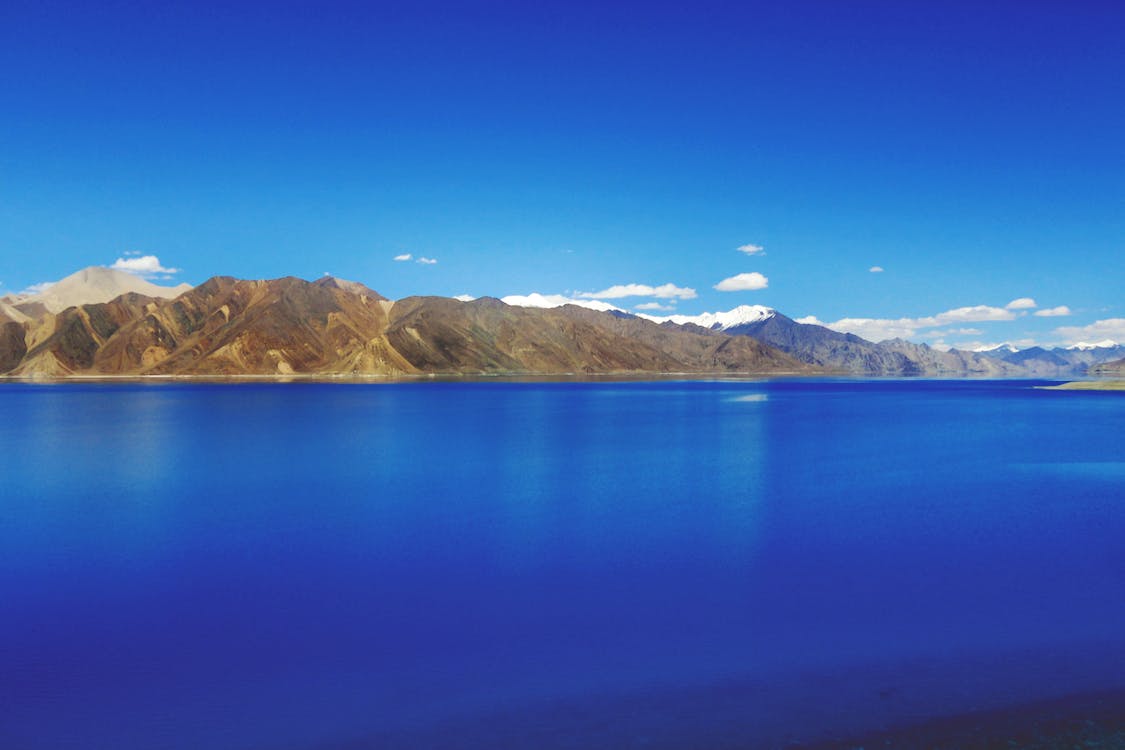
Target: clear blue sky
(975,151)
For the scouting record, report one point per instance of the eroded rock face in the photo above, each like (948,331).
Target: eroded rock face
(286,326)
(13,345)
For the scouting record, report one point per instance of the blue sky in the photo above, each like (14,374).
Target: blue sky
(974,151)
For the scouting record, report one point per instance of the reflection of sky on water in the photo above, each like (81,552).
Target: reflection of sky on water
(419,550)
(1110,471)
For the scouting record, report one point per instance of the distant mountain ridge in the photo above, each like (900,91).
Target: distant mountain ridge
(824,347)
(1078,359)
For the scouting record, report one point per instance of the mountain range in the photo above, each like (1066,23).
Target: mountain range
(329,327)
(101,321)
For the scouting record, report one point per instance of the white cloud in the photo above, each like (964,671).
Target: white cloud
(971,314)
(535,299)
(875,269)
(1023,303)
(145,266)
(1053,312)
(655,306)
(874,329)
(880,329)
(743,282)
(752,249)
(664,291)
(464,298)
(37,288)
(407,257)
(1099,330)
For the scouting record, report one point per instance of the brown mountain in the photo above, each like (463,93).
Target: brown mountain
(1117,367)
(332,327)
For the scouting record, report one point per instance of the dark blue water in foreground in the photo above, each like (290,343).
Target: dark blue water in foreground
(457,565)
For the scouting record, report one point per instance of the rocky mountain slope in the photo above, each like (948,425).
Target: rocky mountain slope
(329,327)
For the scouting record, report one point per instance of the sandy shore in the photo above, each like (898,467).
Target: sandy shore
(1090,385)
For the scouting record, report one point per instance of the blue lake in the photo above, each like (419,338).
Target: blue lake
(503,564)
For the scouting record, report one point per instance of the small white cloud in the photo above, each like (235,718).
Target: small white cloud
(875,269)
(664,291)
(464,298)
(809,320)
(132,253)
(752,249)
(426,261)
(404,257)
(535,299)
(655,306)
(145,266)
(743,282)
(1023,303)
(38,288)
(1053,312)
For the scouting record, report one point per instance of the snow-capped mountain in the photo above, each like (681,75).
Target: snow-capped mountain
(1037,361)
(1084,346)
(997,348)
(718,321)
(535,299)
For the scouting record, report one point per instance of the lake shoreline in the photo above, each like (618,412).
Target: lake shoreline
(561,377)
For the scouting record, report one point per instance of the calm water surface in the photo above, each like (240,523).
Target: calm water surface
(672,565)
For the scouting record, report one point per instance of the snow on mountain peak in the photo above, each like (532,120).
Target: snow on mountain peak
(996,348)
(721,321)
(535,299)
(1086,346)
